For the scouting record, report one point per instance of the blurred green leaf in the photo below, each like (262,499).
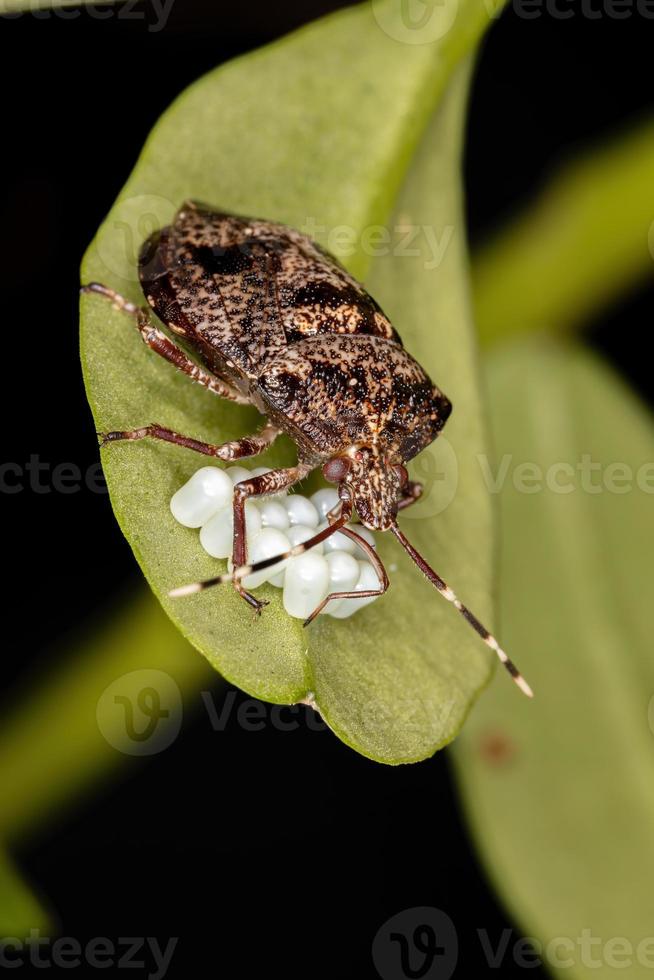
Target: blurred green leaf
(20,910)
(560,791)
(586,240)
(318,129)
(68,731)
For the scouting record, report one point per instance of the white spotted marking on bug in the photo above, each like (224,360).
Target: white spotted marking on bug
(275,524)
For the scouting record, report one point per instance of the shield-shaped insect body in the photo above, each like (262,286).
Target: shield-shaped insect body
(266,317)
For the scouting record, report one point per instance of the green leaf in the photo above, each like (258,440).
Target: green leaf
(67,732)
(316,130)
(586,240)
(20,910)
(560,791)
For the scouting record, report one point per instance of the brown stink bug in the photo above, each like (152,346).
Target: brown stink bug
(278,323)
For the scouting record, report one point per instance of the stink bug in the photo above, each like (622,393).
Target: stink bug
(278,323)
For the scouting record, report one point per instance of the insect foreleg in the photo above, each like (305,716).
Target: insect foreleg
(412,491)
(156,340)
(377,564)
(259,566)
(226,451)
(267,483)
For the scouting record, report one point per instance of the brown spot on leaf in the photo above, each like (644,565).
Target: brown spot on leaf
(496,747)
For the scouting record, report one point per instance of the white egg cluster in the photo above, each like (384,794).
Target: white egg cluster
(274,525)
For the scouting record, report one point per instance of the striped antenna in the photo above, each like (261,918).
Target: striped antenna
(258,566)
(448,594)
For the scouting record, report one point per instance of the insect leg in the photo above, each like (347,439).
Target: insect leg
(448,594)
(377,564)
(267,483)
(156,340)
(258,566)
(413,491)
(227,451)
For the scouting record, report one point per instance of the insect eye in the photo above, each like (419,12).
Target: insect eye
(402,475)
(336,469)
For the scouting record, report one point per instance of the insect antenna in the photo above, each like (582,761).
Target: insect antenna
(448,594)
(259,566)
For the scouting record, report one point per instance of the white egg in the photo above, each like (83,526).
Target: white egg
(324,501)
(297,534)
(273,513)
(338,542)
(266,544)
(344,574)
(306,584)
(366,533)
(207,492)
(238,473)
(217,535)
(367,580)
(274,525)
(300,510)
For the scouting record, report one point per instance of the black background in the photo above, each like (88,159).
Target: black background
(263,851)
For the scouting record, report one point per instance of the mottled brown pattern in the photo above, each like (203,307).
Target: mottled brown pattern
(272,314)
(280,324)
(248,287)
(354,391)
